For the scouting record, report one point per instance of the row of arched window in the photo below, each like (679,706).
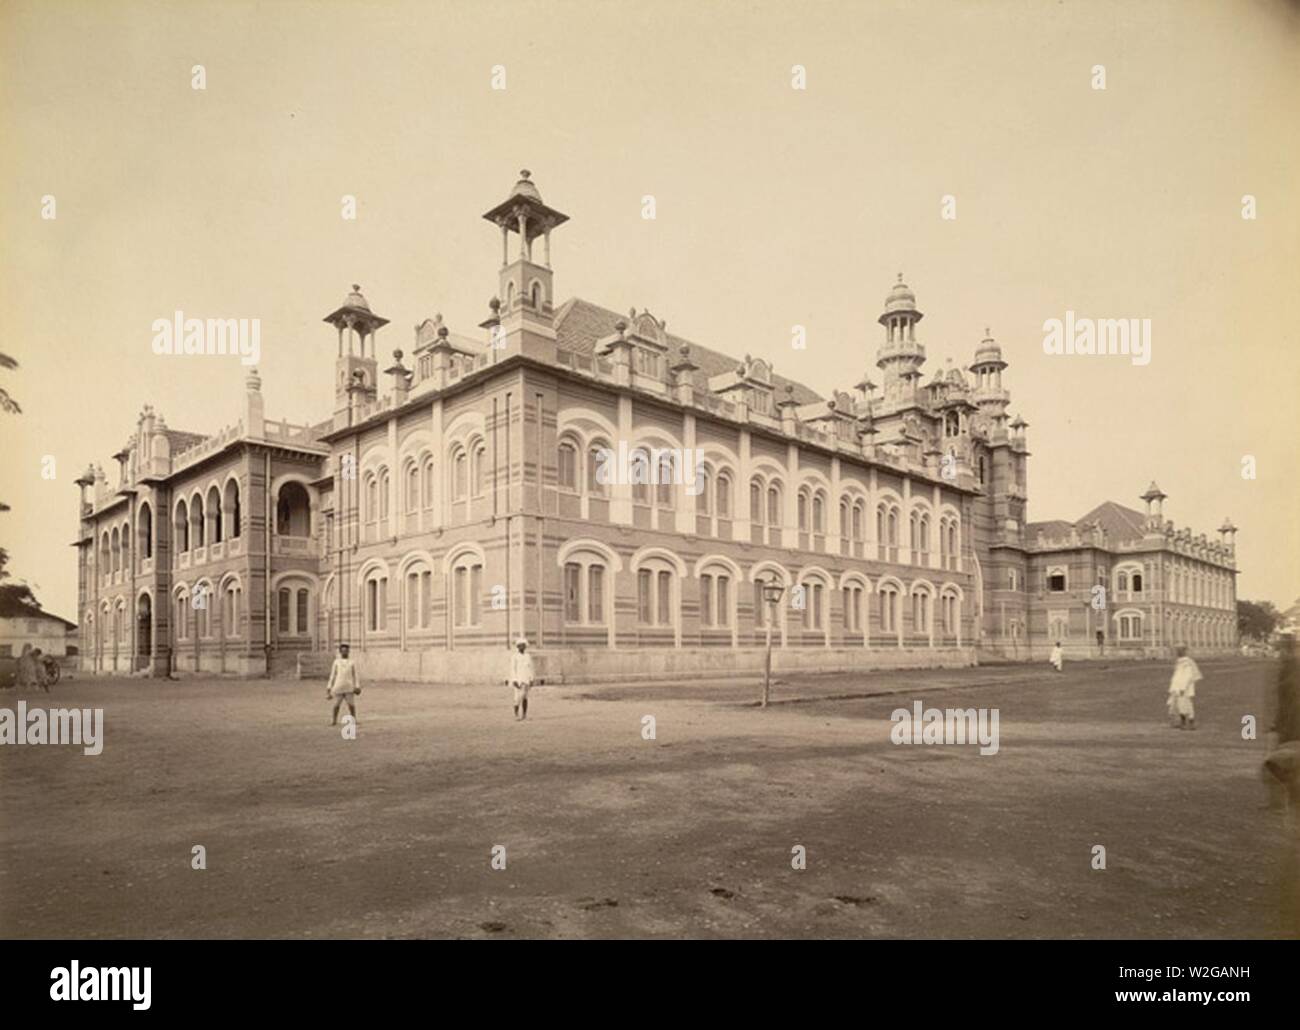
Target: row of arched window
(723,592)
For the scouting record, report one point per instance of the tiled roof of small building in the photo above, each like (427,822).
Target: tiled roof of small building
(579,324)
(181,440)
(1119,522)
(1052,527)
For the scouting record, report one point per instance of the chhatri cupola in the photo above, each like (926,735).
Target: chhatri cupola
(526,283)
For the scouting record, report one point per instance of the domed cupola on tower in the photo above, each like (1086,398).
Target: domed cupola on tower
(355,369)
(526,285)
(901,356)
(988,393)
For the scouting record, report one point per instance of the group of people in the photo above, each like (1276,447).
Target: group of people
(29,671)
(344,685)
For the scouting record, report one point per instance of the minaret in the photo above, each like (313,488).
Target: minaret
(988,393)
(358,323)
(1155,519)
(526,288)
(900,357)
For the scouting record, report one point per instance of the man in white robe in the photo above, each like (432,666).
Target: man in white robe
(1182,689)
(522,675)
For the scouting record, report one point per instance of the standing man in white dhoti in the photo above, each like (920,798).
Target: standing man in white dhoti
(1182,689)
(522,675)
(1058,657)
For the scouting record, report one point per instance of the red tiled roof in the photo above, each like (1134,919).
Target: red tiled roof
(579,324)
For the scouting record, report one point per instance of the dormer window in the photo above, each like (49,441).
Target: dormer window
(760,401)
(647,363)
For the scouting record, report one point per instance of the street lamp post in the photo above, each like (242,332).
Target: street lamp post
(772,591)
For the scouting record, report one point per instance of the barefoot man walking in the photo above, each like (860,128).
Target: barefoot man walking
(344,684)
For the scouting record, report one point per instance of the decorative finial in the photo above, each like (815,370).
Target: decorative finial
(900,277)
(442,332)
(495,304)
(524,173)
(397,355)
(356,287)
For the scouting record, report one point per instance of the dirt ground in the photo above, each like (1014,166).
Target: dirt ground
(607,834)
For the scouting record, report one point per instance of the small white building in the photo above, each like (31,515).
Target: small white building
(52,634)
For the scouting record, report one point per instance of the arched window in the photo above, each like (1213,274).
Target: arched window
(888,609)
(144,526)
(197,535)
(584,590)
(814,604)
(704,499)
(567,466)
(115,555)
(419,597)
(666,476)
(920,611)
(375,598)
(537,296)
(853,607)
(599,474)
(230,608)
(722,496)
(234,517)
(716,596)
(949,613)
(774,504)
(426,476)
(756,501)
(126,549)
(478,469)
(293,510)
(412,479)
(819,512)
(1137,582)
(859,519)
(181,616)
(459,475)
(467,591)
(203,612)
(801,508)
(181,527)
(214,516)
(656,602)
(384,487)
(639,474)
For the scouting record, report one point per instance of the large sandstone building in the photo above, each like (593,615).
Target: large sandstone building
(629,501)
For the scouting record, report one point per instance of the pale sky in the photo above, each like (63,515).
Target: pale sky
(775,207)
